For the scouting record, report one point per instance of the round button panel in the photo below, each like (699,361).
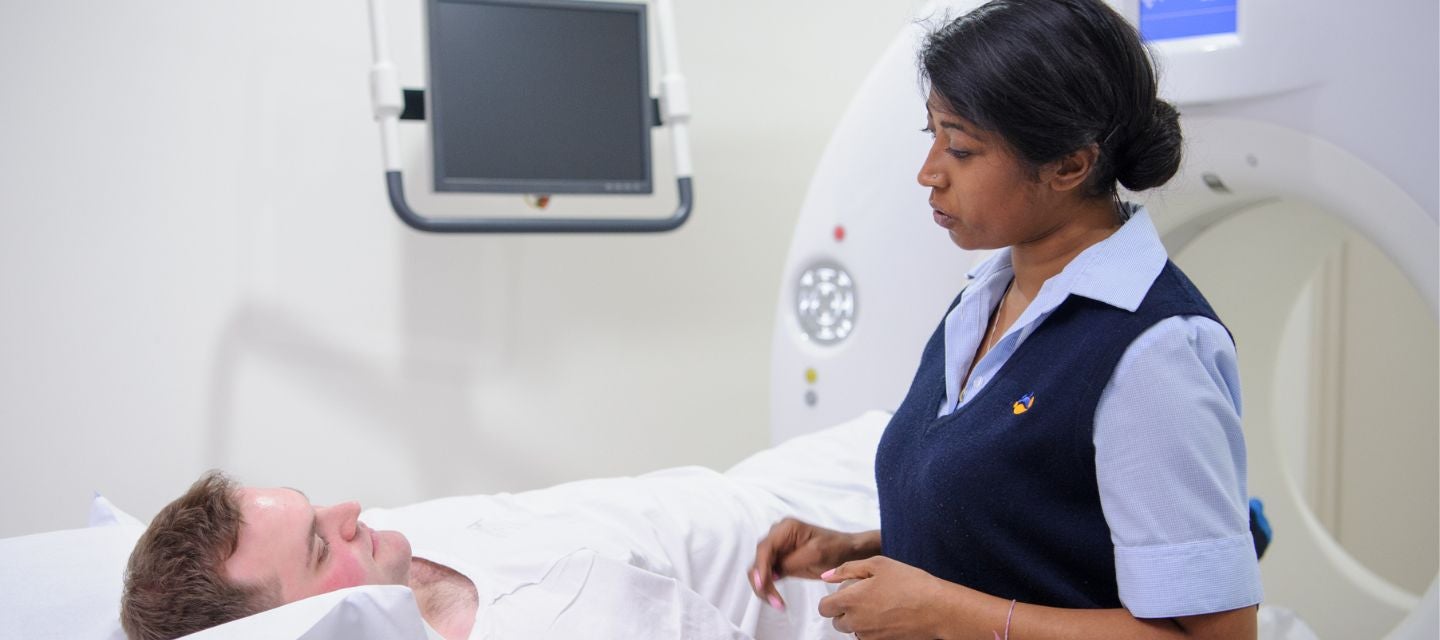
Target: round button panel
(825,303)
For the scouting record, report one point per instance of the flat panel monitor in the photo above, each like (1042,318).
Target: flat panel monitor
(539,96)
(1175,19)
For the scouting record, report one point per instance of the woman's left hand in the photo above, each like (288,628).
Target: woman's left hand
(889,600)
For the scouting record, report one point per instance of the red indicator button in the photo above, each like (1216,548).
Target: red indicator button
(839,233)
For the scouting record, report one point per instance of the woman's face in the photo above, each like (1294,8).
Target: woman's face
(979,190)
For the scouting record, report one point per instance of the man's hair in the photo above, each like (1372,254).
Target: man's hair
(175,583)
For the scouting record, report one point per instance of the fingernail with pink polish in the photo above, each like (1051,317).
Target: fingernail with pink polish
(827,574)
(775,602)
(755,579)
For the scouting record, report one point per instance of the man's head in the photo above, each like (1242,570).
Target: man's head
(221,552)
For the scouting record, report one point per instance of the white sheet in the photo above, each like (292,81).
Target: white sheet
(684,536)
(681,575)
(376,612)
(659,556)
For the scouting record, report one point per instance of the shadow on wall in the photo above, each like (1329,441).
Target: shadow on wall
(419,403)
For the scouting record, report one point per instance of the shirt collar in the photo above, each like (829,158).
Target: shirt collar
(1117,271)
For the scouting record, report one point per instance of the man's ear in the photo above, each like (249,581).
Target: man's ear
(1072,170)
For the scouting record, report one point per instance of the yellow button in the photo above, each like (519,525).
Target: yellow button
(810,376)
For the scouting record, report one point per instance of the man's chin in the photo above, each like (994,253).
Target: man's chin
(392,551)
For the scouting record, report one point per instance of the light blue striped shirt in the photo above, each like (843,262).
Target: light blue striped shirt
(1173,491)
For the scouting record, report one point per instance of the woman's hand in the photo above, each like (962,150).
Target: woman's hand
(797,549)
(889,599)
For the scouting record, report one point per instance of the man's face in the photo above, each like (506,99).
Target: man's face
(308,550)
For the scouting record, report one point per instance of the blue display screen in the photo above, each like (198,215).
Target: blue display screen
(1171,19)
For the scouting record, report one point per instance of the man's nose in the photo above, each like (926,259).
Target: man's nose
(344,517)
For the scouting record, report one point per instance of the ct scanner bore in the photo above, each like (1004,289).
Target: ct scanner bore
(1257,164)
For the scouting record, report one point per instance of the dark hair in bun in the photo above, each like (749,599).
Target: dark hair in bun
(1053,76)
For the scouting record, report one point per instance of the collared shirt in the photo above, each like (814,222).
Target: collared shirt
(1173,491)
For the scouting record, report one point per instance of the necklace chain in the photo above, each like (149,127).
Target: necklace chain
(994,329)
(988,340)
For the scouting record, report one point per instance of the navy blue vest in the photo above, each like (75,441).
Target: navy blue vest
(1002,500)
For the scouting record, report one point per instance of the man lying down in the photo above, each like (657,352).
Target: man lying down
(662,555)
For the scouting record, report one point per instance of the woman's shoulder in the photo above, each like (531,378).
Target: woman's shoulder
(1183,337)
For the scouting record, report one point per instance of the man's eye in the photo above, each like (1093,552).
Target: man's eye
(324,550)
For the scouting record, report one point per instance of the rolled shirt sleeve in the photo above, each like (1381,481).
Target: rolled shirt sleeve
(1170,464)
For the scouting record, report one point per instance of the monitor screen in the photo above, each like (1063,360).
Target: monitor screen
(539,96)
(1172,19)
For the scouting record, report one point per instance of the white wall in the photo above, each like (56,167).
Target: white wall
(198,266)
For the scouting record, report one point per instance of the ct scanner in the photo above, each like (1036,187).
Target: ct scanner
(1330,106)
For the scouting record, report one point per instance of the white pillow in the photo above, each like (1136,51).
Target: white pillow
(65,585)
(104,513)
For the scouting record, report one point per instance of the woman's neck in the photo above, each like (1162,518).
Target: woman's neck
(1040,258)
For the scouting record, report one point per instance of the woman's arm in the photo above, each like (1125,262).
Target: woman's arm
(974,614)
(894,600)
(1171,474)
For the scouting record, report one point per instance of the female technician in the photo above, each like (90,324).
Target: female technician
(1068,462)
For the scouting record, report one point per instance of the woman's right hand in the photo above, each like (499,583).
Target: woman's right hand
(798,549)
